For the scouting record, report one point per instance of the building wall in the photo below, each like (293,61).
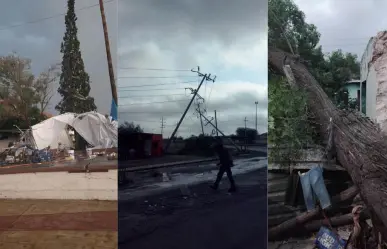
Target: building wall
(374,72)
(352,89)
(366,58)
(368,75)
(371,89)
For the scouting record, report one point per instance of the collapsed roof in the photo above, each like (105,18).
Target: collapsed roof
(98,130)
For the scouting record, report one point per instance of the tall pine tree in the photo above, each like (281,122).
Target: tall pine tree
(74,84)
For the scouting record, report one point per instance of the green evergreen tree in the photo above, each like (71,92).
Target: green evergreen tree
(74,84)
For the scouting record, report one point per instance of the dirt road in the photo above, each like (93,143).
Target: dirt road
(58,224)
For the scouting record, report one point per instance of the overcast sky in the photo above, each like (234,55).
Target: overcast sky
(226,38)
(22,30)
(345,24)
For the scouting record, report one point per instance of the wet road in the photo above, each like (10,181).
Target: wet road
(197,217)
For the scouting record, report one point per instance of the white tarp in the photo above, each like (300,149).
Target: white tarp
(94,127)
(52,131)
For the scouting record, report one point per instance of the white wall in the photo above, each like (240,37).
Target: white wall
(60,185)
(365,59)
(371,89)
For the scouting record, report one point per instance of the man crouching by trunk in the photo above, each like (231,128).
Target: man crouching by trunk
(225,164)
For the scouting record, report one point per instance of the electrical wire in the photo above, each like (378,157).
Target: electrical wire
(160,84)
(157,102)
(156,77)
(149,112)
(151,89)
(153,96)
(154,69)
(50,17)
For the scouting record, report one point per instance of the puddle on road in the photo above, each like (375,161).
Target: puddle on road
(171,178)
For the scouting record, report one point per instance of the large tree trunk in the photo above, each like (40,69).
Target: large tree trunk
(361,147)
(284,228)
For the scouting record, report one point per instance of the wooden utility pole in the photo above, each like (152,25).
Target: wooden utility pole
(162,125)
(201,119)
(209,122)
(195,92)
(245,132)
(256,116)
(216,125)
(108,54)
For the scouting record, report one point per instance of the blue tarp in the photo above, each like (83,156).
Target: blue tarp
(113,110)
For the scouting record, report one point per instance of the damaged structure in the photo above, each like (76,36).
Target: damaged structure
(373,79)
(36,145)
(98,130)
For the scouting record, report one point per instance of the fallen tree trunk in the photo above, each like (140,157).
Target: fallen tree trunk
(337,221)
(276,232)
(361,148)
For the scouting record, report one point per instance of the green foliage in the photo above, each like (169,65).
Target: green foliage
(287,23)
(130,127)
(74,84)
(290,125)
(251,134)
(289,121)
(199,146)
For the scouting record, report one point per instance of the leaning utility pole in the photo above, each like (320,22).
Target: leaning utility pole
(256,116)
(216,125)
(245,133)
(209,122)
(108,54)
(201,119)
(205,77)
(162,125)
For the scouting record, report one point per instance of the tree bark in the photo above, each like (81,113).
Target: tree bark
(284,228)
(342,220)
(360,145)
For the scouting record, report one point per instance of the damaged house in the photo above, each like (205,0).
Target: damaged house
(373,79)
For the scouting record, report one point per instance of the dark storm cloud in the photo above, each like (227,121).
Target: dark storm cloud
(40,40)
(224,21)
(346,25)
(231,110)
(217,35)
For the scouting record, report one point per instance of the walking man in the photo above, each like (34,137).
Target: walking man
(225,164)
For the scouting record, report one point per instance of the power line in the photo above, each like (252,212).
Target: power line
(209,96)
(153,96)
(161,84)
(150,112)
(147,121)
(156,77)
(50,17)
(148,103)
(154,69)
(151,89)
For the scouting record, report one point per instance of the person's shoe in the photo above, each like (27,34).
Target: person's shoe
(213,187)
(232,190)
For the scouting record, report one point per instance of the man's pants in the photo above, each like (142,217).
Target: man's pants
(313,185)
(221,171)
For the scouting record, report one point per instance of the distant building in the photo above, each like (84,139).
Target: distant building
(373,78)
(353,91)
